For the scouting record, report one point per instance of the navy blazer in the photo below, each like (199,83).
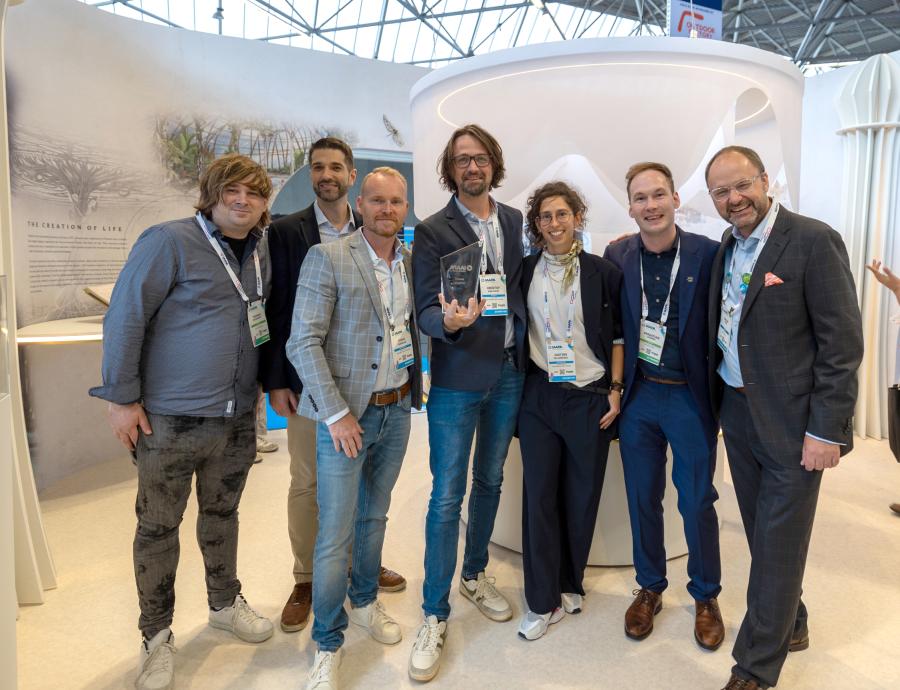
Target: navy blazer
(290,238)
(600,288)
(470,359)
(697,255)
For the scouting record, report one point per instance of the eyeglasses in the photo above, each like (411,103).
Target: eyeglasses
(482,160)
(562,217)
(741,187)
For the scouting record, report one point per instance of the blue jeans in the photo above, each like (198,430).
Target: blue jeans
(453,417)
(354,495)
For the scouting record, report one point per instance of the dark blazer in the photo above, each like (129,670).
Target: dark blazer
(697,254)
(601,286)
(800,342)
(470,359)
(290,238)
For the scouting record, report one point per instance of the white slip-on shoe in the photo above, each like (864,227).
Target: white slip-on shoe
(242,620)
(485,596)
(376,620)
(425,658)
(157,662)
(534,625)
(571,602)
(324,673)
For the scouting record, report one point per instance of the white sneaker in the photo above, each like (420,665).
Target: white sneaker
(485,596)
(376,620)
(157,662)
(324,673)
(425,659)
(571,602)
(264,445)
(534,625)
(242,620)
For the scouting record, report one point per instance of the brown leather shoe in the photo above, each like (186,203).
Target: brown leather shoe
(389,581)
(736,683)
(639,616)
(799,640)
(896,508)
(709,631)
(295,614)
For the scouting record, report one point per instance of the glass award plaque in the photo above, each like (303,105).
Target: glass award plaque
(459,274)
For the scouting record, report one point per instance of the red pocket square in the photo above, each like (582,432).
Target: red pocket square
(772,279)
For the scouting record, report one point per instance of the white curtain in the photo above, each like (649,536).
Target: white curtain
(869,110)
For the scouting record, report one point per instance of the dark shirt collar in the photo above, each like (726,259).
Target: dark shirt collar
(669,253)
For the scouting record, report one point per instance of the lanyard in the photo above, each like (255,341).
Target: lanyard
(386,302)
(726,284)
(645,306)
(493,222)
(224,259)
(570,317)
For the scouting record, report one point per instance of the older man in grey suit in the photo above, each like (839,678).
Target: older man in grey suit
(786,340)
(354,344)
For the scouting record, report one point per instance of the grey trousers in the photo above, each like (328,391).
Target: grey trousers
(220,451)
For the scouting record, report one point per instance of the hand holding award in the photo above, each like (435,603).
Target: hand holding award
(459,286)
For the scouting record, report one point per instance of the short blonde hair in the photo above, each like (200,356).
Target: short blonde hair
(383,170)
(230,169)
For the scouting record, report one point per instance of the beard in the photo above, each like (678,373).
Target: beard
(474,186)
(332,192)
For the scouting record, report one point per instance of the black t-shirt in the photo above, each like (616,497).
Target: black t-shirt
(237,246)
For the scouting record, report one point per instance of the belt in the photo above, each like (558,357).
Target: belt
(390,397)
(667,382)
(592,387)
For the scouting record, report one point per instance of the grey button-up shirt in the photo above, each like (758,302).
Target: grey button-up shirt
(176,335)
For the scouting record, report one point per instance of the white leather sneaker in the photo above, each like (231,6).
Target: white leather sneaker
(242,620)
(534,625)
(157,662)
(375,619)
(324,673)
(571,602)
(425,658)
(485,596)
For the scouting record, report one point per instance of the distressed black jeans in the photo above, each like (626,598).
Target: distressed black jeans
(220,451)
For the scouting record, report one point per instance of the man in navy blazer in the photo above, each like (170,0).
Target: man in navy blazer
(477,378)
(328,219)
(665,299)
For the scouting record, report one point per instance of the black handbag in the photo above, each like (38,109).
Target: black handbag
(894,420)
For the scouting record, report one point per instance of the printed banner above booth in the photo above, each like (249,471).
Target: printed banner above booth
(702,19)
(112,120)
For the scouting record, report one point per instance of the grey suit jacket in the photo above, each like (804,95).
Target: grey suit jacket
(800,342)
(338,330)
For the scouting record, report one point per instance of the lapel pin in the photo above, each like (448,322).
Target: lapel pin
(690,279)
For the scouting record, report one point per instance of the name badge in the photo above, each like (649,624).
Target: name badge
(493,292)
(723,337)
(650,345)
(560,361)
(402,347)
(259,327)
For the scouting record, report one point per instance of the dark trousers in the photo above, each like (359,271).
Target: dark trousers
(564,462)
(659,415)
(777,499)
(220,451)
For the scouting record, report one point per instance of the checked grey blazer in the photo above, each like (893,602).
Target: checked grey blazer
(338,330)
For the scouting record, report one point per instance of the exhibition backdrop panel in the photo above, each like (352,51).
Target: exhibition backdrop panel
(585,110)
(111,121)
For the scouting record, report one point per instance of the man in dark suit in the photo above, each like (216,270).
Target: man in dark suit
(477,378)
(327,219)
(665,299)
(785,342)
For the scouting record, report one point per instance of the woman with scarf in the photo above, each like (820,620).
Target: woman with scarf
(570,403)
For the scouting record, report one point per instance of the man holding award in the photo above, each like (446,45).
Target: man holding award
(474,244)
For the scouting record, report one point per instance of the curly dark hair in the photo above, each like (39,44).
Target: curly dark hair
(546,191)
(445,160)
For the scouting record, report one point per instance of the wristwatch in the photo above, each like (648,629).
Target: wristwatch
(617,386)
